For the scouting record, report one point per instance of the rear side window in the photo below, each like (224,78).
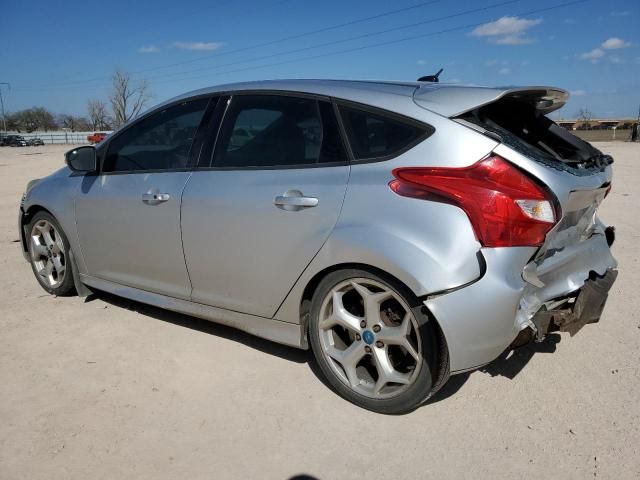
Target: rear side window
(276,130)
(161,141)
(374,135)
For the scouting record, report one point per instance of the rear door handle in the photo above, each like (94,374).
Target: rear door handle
(294,200)
(155,198)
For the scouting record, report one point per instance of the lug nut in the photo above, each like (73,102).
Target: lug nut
(363,324)
(376,328)
(358,336)
(367,349)
(379,344)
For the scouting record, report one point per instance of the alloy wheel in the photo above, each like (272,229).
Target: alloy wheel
(47,253)
(369,336)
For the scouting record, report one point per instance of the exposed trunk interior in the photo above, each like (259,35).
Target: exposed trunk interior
(519,122)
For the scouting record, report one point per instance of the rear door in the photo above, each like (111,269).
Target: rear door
(254,217)
(129,216)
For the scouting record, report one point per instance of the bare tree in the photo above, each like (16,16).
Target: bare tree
(585,116)
(128,98)
(73,123)
(98,116)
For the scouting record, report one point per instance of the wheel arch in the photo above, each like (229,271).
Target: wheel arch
(442,373)
(25,218)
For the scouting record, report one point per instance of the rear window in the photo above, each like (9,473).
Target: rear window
(375,135)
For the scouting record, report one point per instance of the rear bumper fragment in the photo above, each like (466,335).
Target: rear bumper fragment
(577,311)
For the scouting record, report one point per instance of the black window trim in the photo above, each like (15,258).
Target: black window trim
(428,129)
(193,161)
(212,124)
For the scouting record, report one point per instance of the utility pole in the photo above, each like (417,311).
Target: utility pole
(4,119)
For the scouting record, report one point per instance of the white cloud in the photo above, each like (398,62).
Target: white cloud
(594,55)
(569,21)
(620,13)
(578,93)
(614,43)
(504,71)
(199,46)
(506,30)
(421,62)
(148,49)
(616,59)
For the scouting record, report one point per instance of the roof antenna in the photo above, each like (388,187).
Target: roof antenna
(431,78)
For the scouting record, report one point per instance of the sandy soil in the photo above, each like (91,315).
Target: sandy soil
(111,389)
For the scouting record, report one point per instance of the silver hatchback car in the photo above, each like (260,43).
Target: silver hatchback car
(402,231)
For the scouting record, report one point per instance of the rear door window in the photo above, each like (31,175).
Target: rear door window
(376,135)
(264,131)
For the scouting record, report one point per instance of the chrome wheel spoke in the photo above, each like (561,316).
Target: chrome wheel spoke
(399,336)
(37,249)
(58,246)
(48,239)
(386,372)
(371,302)
(57,265)
(340,316)
(47,270)
(348,358)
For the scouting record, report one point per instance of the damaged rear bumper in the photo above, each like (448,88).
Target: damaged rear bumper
(574,312)
(565,291)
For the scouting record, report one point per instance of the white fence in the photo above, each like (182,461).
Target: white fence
(71,138)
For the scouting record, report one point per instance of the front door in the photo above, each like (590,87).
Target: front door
(253,221)
(129,216)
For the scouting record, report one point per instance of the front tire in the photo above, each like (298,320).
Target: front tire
(372,340)
(49,255)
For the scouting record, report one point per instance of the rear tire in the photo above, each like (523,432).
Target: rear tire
(373,340)
(49,255)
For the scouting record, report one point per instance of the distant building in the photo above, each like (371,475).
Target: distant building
(598,124)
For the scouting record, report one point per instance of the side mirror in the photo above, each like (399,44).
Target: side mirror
(82,159)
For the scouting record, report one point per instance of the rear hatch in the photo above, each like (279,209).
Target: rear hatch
(578,174)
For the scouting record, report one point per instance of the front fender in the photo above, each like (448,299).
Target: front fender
(56,194)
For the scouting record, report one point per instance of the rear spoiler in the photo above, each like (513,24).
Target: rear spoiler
(455,100)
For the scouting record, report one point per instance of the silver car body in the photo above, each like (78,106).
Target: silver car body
(219,248)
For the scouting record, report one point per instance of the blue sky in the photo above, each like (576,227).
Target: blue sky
(60,54)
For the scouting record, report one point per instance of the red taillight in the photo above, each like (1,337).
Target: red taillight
(506,207)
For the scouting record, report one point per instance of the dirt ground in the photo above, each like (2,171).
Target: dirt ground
(111,389)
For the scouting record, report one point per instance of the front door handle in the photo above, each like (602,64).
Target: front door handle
(155,198)
(294,200)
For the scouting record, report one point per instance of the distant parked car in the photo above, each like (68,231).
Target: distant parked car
(15,141)
(35,141)
(96,137)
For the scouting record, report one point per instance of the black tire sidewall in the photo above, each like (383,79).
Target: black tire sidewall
(421,389)
(67,287)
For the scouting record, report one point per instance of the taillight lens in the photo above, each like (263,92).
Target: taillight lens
(506,207)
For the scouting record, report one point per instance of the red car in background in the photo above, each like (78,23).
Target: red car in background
(96,137)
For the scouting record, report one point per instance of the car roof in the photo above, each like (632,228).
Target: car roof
(446,99)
